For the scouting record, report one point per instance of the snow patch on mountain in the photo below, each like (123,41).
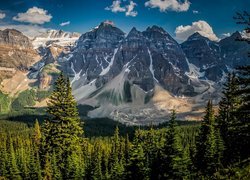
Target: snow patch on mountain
(106,70)
(151,65)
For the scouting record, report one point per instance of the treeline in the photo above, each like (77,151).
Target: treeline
(217,149)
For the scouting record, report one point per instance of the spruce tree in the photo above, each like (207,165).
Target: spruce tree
(208,145)
(116,164)
(173,165)
(241,128)
(137,168)
(37,134)
(47,172)
(62,131)
(227,117)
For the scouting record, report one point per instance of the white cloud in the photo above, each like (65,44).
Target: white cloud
(2,15)
(65,23)
(130,9)
(116,7)
(171,5)
(226,34)
(195,12)
(28,30)
(34,15)
(202,27)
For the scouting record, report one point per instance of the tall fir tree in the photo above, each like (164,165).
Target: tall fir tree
(62,131)
(227,117)
(173,164)
(137,166)
(209,147)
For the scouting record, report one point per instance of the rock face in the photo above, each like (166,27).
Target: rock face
(114,71)
(16,53)
(135,78)
(144,58)
(205,55)
(233,52)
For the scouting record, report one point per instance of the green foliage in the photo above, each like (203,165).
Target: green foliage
(24,99)
(62,130)
(209,148)
(5,102)
(167,151)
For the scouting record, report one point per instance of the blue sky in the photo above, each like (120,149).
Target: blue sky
(180,18)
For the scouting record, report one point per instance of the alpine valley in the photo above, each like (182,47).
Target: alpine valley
(135,78)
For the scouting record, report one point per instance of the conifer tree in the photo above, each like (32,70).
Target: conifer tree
(62,131)
(227,117)
(96,163)
(14,172)
(173,165)
(37,134)
(47,173)
(136,168)
(55,170)
(116,164)
(208,145)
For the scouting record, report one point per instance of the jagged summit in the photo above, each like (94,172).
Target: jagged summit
(54,34)
(134,33)
(155,28)
(196,36)
(14,37)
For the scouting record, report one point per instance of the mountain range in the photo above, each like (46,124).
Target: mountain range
(134,78)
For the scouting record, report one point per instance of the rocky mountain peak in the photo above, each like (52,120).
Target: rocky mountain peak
(134,33)
(196,36)
(13,37)
(155,28)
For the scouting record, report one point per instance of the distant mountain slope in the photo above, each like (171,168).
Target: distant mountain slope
(135,78)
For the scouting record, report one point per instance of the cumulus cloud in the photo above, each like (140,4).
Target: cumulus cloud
(226,34)
(195,12)
(30,31)
(171,5)
(128,9)
(116,7)
(202,27)
(2,15)
(65,23)
(34,15)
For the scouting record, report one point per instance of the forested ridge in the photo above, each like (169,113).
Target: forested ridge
(58,148)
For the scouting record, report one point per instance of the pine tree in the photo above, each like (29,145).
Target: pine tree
(136,168)
(208,143)
(227,117)
(116,164)
(62,131)
(241,128)
(37,134)
(3,157)
(96,163)
(55,170)
(47,173)
(173,165)
(14,172)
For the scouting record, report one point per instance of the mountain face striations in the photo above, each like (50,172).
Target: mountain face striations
(135,78)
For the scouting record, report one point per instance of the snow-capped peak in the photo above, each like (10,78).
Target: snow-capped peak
(58,37)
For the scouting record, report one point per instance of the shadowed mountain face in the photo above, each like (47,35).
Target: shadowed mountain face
(138,73)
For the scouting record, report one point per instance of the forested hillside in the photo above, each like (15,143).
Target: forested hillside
(58,149)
